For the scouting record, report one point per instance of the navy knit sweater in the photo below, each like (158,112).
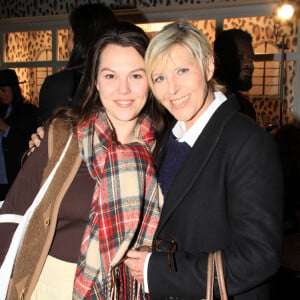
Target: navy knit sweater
(176,153)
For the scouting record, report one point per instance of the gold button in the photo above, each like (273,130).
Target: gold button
(47,222)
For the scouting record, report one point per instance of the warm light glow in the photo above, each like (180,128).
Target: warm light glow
(286,11)
(152,27)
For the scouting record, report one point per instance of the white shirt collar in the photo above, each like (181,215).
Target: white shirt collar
(192,134)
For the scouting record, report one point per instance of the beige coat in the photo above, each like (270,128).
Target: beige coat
(41,229)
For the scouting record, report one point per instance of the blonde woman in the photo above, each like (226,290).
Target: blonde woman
(221,179)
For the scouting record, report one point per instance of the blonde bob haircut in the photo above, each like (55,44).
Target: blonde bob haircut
(182,33)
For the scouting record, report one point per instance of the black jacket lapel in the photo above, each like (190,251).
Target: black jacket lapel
(199,155)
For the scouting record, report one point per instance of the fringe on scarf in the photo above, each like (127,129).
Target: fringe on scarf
(122,286)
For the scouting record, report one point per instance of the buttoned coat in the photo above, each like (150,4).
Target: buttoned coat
(227,195)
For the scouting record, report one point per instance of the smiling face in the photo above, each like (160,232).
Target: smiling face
(180,85)
(122,84)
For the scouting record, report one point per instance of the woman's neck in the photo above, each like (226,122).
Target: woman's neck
(125,131)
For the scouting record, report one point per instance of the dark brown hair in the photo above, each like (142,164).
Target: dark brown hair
(87,22)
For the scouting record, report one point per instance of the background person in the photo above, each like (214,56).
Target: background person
(86,21)
(221,179)
(18,120)
(288,140)
(234,65)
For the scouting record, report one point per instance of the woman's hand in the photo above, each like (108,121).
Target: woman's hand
(135,262)
(36,139)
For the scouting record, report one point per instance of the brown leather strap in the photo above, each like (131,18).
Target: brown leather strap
(210,277)
(215,260)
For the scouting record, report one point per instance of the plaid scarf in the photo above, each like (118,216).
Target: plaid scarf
(125,208)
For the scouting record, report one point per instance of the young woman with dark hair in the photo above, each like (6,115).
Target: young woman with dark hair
(104,196)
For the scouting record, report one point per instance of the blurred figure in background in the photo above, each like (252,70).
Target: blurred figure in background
(234,65)
(288,139)
(86,23)
(18,120)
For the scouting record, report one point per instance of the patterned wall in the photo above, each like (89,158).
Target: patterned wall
(27,46)
(34,46)
(22,8)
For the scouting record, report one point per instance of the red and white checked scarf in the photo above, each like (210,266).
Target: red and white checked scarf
(125,208)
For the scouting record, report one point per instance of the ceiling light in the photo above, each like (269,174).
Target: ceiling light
(285,11)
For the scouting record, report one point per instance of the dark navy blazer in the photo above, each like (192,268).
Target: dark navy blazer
(227,195)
